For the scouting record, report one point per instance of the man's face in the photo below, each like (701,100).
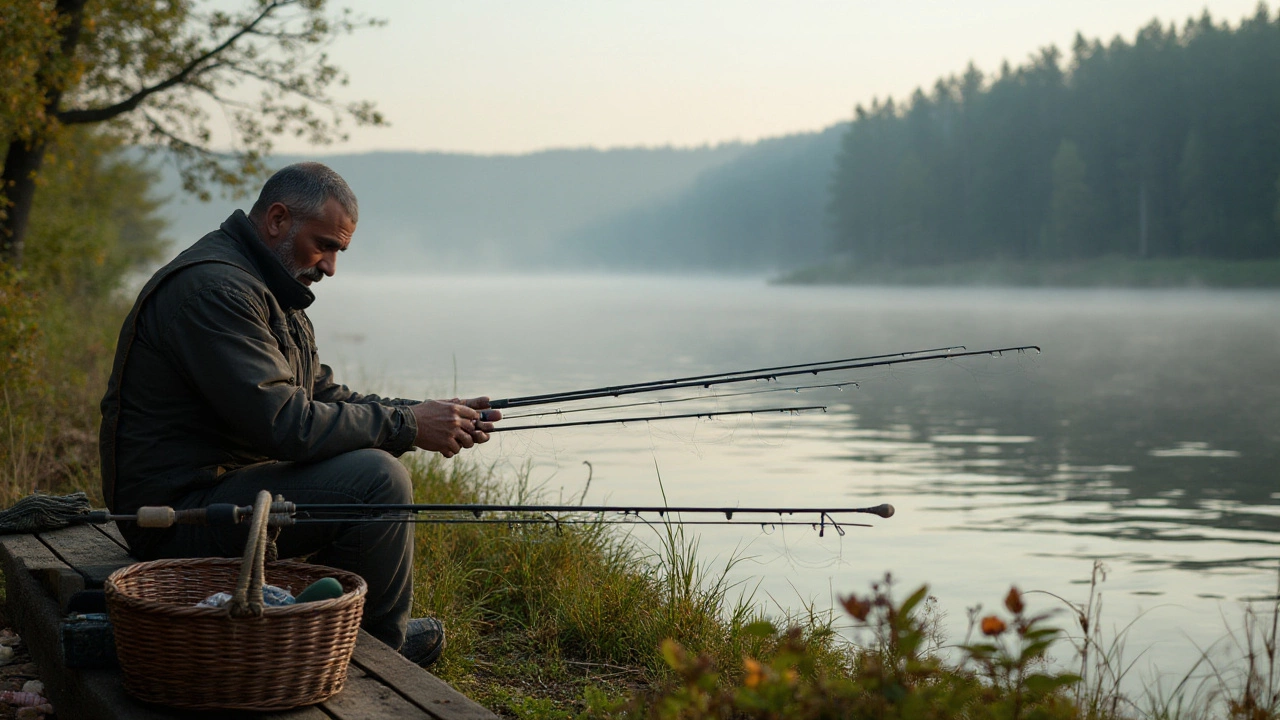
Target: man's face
(308,247)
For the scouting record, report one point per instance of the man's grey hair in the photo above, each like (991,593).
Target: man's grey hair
(304,188)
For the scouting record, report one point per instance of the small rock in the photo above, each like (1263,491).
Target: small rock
(23,670)
(6,654)
(34,712)
(35,687)
(9,638)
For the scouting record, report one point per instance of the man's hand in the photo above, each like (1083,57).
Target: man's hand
(449,426)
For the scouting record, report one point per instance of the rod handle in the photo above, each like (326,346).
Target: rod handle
(153,516)
(220,514)
(161,516)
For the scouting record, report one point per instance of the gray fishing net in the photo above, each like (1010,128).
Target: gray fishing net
(40,513)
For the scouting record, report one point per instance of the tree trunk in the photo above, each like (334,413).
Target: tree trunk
(23,159)
(21,164)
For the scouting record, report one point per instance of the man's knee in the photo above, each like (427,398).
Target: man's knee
(389,480)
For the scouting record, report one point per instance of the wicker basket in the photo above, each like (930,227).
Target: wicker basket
(177,654)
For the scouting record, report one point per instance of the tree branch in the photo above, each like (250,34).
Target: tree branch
(93,115)
(158,129)
(301,92)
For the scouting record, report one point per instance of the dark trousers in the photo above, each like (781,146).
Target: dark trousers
(381,553)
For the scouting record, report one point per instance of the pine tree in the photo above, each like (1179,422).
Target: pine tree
(1198,224)
(1276,214)
(1070,228)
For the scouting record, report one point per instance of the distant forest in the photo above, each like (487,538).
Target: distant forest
(764,208)
(445,211)
(1167,146)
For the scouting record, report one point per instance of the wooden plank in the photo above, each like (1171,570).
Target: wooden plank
(90,552)
(24,558)
(311,712)
(62,583)
(364,697)
(113,532)
(85,545)
(420,687)
(113,702)
(25,553)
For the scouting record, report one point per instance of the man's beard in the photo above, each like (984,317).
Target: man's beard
(284,251)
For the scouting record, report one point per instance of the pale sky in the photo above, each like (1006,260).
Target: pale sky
(504,76)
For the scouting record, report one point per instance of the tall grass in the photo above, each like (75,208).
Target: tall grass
(578,602)
(581,592)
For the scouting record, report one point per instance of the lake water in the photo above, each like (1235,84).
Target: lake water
(1147,433)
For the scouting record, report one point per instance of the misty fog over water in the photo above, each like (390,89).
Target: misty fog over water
(1147,433)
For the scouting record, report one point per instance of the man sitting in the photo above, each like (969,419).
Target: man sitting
(217,392)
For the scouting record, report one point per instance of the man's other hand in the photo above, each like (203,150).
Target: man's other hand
(449,426)
(480,430)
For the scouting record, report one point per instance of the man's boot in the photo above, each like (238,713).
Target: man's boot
(423,641)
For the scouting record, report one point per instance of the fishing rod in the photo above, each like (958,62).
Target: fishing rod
(724,378)
(721,396)
(582,423)
(656,384)
(883,510)
(41,513)
(604,515)
(820,525)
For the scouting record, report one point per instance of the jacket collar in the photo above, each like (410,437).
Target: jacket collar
(291,294)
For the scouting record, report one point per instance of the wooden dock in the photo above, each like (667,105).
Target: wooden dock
(42,573)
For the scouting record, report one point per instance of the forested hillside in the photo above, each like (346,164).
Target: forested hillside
(1164,146)
(763,210)
(421,211)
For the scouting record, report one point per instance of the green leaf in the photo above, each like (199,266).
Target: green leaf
(910,603)
(1041,684)
(672,653)
(1042,633)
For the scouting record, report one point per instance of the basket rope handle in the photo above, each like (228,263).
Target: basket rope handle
(247,600)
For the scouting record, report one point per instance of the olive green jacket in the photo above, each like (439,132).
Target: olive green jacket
(216,369)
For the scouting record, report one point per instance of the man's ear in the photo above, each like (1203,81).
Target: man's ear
(275,223)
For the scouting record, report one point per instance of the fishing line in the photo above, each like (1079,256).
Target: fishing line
(721,396)
(811,369)
(708,379)
(610,421)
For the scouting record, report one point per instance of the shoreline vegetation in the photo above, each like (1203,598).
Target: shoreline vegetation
(1105,272)
(584,622)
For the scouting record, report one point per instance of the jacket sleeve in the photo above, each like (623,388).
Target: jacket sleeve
(326,389)
(221,339)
